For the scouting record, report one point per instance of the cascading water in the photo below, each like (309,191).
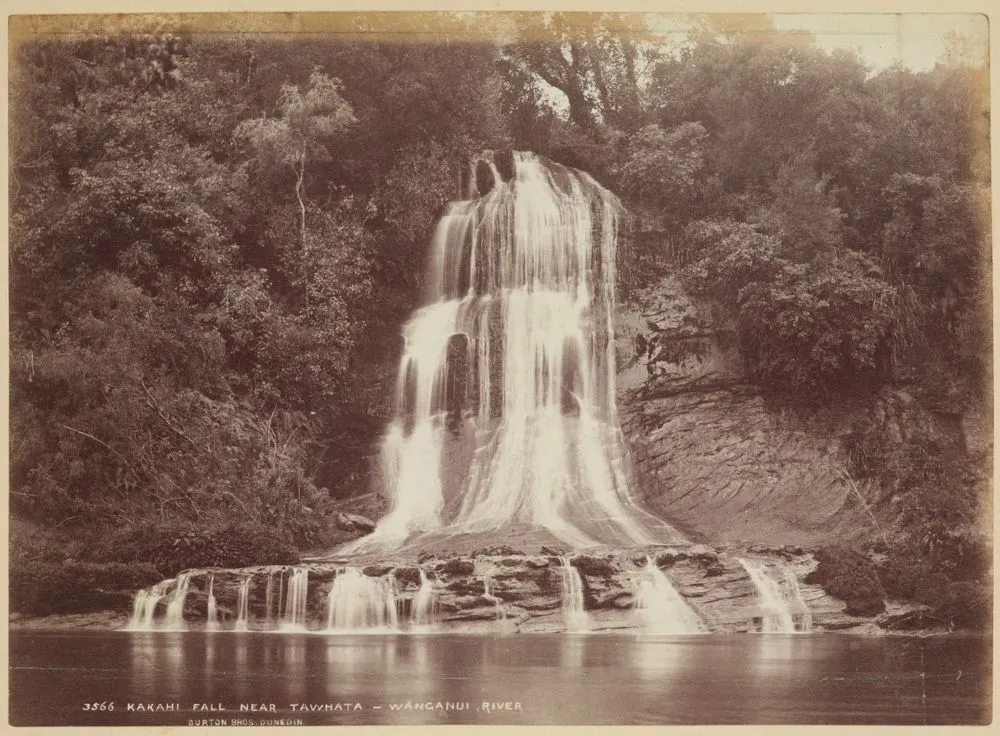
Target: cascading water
(243,606)
(269,600)
(144,606)
(802,617)
(513,353)
(662,609)
(777,616)
(577,619)
(295,601)
(422,612)
(501,613)
(358,602)
(174,619)
(212,614)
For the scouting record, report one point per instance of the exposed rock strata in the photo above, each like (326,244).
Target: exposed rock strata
(529,589)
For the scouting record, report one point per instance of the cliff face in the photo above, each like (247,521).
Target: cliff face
(723,462)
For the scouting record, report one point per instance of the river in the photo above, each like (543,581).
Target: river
(119,678)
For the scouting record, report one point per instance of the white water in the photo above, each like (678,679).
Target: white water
(243,606)
(295,602)
(525,277)
(144,606)
(422,613)
(777,616)
(663,610)
(500,611)
(212,615)
(269,601)
(577,619)
(174,619)
(801,614)
(357,602)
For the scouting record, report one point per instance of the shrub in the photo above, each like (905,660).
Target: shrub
(913,579)
(41,587)
(171,548)
(851,577)
(966,605)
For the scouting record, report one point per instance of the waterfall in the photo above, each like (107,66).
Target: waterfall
(243,606)
(358,602)
(662,609)
(577,619)
(422,612)
(514,351)
(269,598)
(803,616)
(144,606)
(212,614)
(175,607)
(295,601)
(776,614)
(500,612)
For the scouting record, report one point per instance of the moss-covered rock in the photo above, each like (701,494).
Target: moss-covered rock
(594,566)
(407,575)
(457,567)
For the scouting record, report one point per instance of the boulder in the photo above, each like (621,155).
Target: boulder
(593,566)
(353,522)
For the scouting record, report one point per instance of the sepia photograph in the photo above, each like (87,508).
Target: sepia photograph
(500,368)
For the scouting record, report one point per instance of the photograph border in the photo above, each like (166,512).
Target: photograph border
(304,17)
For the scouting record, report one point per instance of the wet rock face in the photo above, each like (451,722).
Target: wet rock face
(709,451)
(728,464)
(525,592)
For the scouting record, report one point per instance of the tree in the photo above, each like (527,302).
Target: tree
(308,120)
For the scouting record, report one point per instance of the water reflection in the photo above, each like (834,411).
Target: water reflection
(571,653)
(555,679)
(173,651)
(656,658)
(142,657)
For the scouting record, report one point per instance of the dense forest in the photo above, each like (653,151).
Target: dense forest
(214,239)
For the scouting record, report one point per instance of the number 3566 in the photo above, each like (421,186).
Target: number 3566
(99,706)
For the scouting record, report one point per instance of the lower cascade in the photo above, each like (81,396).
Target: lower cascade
(577,619)
(488,594)
(422,611)
(243,606)
(776,614)
(804,617)
(175,608)
(508,592)
(144,607)
(295,602)
(272,603)
(662,609)
(358,602)
(212,613)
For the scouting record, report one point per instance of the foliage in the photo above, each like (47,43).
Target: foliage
(38,587)
(178,350)
(171,547)
(667,168)
(810,327)
(851,577)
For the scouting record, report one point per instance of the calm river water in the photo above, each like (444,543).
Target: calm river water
(73,678)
